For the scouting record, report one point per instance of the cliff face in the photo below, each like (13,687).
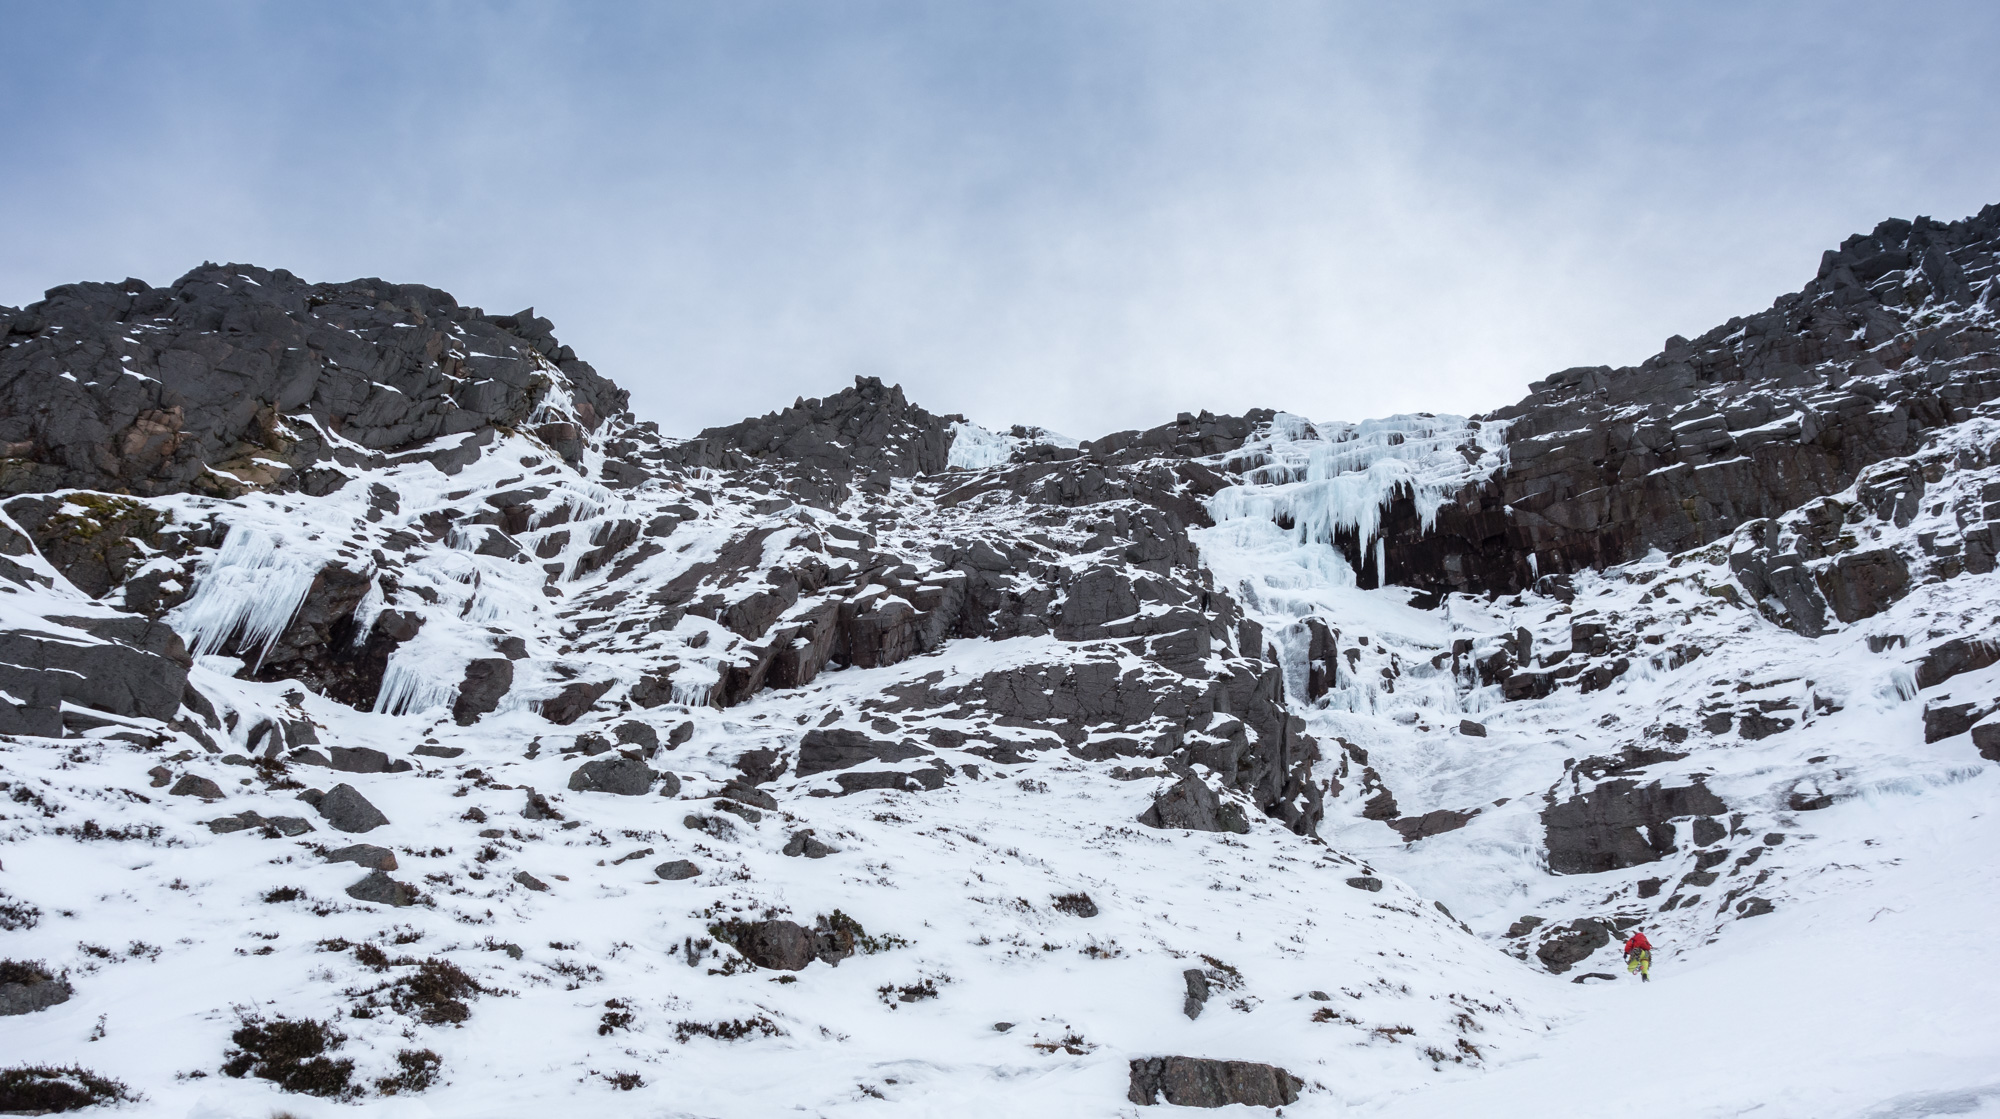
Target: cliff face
(1896,337)
(1422,710)
(236,376)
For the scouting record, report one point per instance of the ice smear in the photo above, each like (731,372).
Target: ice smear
(1322,479)
(975,448)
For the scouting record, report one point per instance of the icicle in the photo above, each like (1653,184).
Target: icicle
(247,596)
(409,689)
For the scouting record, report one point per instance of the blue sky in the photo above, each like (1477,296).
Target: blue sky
(1083,215)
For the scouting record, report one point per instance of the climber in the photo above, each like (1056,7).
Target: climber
(1639,956)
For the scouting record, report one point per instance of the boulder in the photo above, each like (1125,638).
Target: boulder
(1566,945)
(1471,729)
(620,775)
(780,945)
(347,810)
(634,733)
(803,843)
(1196,982)
(675,870)
(191,786)
(1366,882)
(243,821)
(530,881)
(365,855)
(1201,1082)
(1192,805)
(26,988)
(362,759)
(381,889)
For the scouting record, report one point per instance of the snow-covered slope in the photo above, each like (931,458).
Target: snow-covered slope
(856,758)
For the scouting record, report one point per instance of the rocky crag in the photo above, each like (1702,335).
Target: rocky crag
(303,559)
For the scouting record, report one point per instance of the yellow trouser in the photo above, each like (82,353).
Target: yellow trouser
(1640,962)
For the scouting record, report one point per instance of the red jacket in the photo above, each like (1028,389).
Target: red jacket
(1638,943)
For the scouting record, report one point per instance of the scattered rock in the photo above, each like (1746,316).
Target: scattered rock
(1200,1082)
(622,776)
(804,843)
(530,881)
(243,821)
(1197,992)
(740,811)
(634,733)
(347,810)
(365,855)
(780,945)
(381,889)
(191,786)
(748,794)
(539,808)
(362,759)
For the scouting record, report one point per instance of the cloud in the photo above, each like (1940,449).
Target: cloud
(1088,216)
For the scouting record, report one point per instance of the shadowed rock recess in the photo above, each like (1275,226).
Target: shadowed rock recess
(258,533)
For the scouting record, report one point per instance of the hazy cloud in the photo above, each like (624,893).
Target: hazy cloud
(1088,216)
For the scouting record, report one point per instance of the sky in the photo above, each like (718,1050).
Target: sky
(1087,216)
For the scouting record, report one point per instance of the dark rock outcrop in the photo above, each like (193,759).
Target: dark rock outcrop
(125,666)
(1564,946)
(1620,824)
(486,681)
(26,988)
(239,368)
(1190,804)
(861,432)
(1200,1082)
(823,750)
(1757,417)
